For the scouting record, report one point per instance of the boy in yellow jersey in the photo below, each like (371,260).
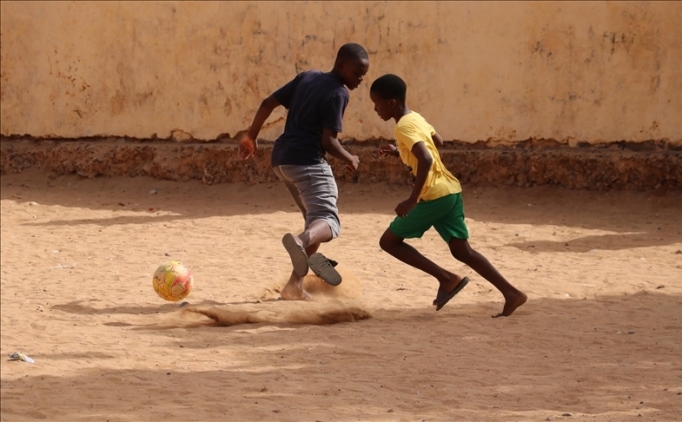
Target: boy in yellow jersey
(436,200)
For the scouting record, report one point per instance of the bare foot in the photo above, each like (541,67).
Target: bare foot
(291,294)
(511,303)
(295,291)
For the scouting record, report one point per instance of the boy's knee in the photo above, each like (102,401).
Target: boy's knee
(460,255)
(461,250)
(387,241)
(383,243)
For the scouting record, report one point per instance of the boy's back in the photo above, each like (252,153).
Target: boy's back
(409,130)
(435,201)
(314,100)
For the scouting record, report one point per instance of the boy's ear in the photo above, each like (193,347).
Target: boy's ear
(392,102)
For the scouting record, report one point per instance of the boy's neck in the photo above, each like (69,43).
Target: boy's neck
(401,111)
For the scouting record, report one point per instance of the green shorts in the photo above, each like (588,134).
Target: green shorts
(445,214)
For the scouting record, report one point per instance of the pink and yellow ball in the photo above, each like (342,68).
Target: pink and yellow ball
(173,281)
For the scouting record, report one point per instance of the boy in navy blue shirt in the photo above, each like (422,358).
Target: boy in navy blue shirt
(316,102)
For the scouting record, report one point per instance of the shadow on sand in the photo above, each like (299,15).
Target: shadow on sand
(581,357)
(610,211)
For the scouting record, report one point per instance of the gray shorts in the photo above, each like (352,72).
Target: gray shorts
(315,192)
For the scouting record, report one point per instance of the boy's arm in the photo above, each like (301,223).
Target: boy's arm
(249,142)
(333,147)
(437,139)
(424,162)
(389,149)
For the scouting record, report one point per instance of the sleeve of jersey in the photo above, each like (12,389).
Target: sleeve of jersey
(432,130)
(284,94)
(333,111)
(407,136)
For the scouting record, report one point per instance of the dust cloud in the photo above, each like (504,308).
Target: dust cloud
(330,305)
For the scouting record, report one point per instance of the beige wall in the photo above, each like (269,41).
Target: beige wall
(597,71)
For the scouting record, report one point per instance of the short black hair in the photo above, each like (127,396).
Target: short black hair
(389,87)
(351,51)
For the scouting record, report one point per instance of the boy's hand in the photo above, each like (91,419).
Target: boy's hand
(353,164)
(247,147)
(405,207)
(389,149)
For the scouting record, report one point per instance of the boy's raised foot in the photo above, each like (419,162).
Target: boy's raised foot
(448,292)
(299,258)
(324,268)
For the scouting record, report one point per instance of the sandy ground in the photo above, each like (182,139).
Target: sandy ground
(599,339)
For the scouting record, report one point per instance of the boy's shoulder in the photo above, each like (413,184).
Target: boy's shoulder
(413,119)
(314,74)
(310,73)
(323,80)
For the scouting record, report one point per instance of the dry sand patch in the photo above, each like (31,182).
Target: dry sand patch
(598,340)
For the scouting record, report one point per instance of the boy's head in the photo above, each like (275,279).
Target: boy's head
(388,95)
(351,65)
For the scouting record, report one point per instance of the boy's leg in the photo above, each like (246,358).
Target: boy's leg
(294,289)
(396,247)
(305,244)
(452,228)
(307,258)
(315,191)
(317,233)
(291,187)
(422,217)
(463,252)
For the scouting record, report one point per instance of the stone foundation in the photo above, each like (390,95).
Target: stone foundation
(615,166)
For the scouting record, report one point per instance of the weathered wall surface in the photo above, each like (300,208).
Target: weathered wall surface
(622,166)
(570,71)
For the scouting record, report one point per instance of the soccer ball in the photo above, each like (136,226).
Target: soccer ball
(173,281)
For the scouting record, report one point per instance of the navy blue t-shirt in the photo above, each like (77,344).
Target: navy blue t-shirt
(314,101)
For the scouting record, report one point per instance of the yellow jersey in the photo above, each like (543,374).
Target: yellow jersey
(413,128)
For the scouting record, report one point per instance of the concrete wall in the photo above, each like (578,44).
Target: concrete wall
(591,72)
